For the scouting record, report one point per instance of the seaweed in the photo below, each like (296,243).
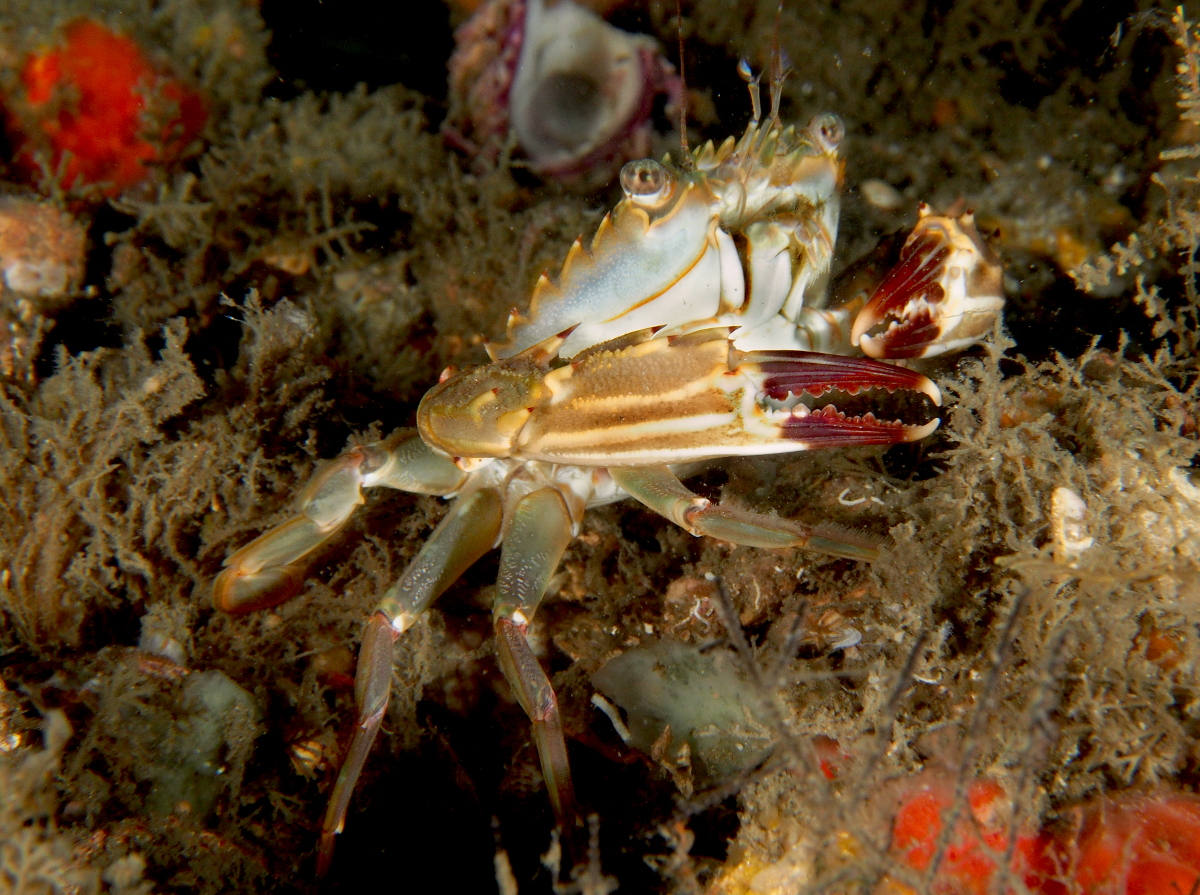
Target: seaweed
(278,191)
(37,857)
(128,453)
(75,529)
(115,469)
(1167,246)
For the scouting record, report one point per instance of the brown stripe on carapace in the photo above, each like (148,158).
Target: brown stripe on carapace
(581,413)
(641,370)
(584,427)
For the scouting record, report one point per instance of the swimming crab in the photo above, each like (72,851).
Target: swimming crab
(688,331)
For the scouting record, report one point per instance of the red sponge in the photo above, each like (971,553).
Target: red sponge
(1130,844)
(97,110)
(971,860)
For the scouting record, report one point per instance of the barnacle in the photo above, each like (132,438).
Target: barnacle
(1068,515)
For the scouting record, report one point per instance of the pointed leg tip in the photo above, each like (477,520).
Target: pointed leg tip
(236,593)
(845,543)
(325,854)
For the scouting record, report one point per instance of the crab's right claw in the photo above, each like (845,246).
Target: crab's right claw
(943,295)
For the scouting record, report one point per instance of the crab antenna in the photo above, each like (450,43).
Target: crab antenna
(683,140)
(751,82)
(783,68)
(780,66)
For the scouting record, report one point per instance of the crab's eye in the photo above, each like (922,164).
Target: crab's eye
(647,183)
(828,131)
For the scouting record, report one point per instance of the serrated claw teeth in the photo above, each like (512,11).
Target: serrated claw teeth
(784,373)
(944,294)
(829,427)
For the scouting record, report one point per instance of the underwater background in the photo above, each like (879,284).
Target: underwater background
(237,237)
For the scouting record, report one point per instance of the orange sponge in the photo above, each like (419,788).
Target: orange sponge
(1134,843)
(972,855)
(95,110)
(1130,844)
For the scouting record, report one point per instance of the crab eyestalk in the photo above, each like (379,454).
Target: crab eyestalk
(943,295)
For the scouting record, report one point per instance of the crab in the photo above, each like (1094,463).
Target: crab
(685,333)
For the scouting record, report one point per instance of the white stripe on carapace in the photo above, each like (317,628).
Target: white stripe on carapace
(645,432)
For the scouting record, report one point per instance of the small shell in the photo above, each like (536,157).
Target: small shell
(42,256)
(156,643)
(41,251)
(311,756)
(831,632)
(575,93)
(1068,513)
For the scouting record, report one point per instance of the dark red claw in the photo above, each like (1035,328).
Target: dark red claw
(828,427)
(911,337)
(919,269)
(916,275)
(810,372)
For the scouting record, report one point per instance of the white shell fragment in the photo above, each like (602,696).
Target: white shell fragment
(1068,513)
(578,83)
(41,249)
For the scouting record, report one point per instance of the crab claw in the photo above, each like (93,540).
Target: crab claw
(829,427)
(813,373)
(943,295)
(781,374)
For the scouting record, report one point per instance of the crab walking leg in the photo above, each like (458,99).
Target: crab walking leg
(540,530)
(467,532)
(660,490)
(265,573)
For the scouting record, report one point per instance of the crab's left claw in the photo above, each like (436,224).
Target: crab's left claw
(780,374)
(943,295)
